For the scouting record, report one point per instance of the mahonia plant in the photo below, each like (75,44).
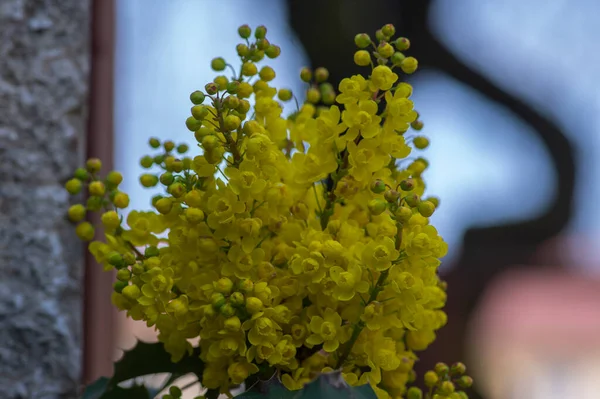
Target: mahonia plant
(292,245)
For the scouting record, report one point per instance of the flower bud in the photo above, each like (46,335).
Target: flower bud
(223,285)
(434,200)
(267,73)
(182,148)
(362,58)
(262,44)
(417,125)
(306,75)
(151,251)
(193,124)
(164,205)
(244,31)
(397,58)
(447,387)
(379,35)
(118,286)
(211,88)
(114,178)
(175,391)
(76,213)
(123,275)
(385,50)
(465,381)
(167,178)
(217,300)
(402,44)
(458,368)
(242,50)
(221,82)
(273,51)
(321,74)
(236,299)
(284,94)
(441,369)
(412,200)
(388,30)
(391,196)
(81,174)
(218,64)
(231,122)
(431,378)
(407,185)
(362,40)
(73,186)
(93,165)
(377,206)
(199,112)
(249,69)
(246,286)
(378,187)
(194,215)
(232,324)
(414,393)
(260,32)
(313,95)
(148,180)
(426,208)
(421,142)
(210,143)
(403,214)
(409,65)
(132,292)
(110,220)
(196,98)
(176,190)
(257,55)
(121,200)
(94,203)
(227,310)
(253,305)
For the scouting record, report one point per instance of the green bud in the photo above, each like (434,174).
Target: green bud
(246,285)
(81,174)
(94,203)
(218,64)
(465,381)
(403,214)
(129,258)
(458,368)
(409,65)
(123,275)
(227,310)
(397,58)
(76,213)
(224,285)
(431,378)
(148,180)
(211,88)
(115,259)
(132,292)
(244,31)
(414,393)
(73,186)
(197,98)
(362,40)
(233,86)
(175,391)
(118,286)
(377,206)
(321,74)
(391,196)
(138,269)
(426,208)
(237,299)
(417,125)
(385,50)
(93,165)
(379,35)
(262,44)
(193,124)
(182,148)
(407,185)
(378,187)
(199,112)
(388,30)
(146,161)
(176,190)
(158,159)
(434,200)
(402,44)
(447,387)
(306,75)
(97,188)
(242,50)
(257,56)
(421,142)
(313,95)
(441,369)
(260,32)
(231,122)
(285,94)
(151,251)
(114,178)
(412,200)
(231,102)
(273,51)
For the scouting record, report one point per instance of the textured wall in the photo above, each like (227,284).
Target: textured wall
(44,63)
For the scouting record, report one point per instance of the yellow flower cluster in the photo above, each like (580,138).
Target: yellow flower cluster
(294,245)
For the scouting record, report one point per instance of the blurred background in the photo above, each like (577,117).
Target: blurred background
(509,94)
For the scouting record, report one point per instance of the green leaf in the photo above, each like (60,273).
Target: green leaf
(146,358)
(143,359)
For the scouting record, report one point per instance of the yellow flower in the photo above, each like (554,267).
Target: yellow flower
(361,119)
(379,254)
(353,90)
(382,78)
(366,158)
(246,181)
(348,283)
(326,330)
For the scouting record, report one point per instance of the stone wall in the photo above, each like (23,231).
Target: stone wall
(44,67)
